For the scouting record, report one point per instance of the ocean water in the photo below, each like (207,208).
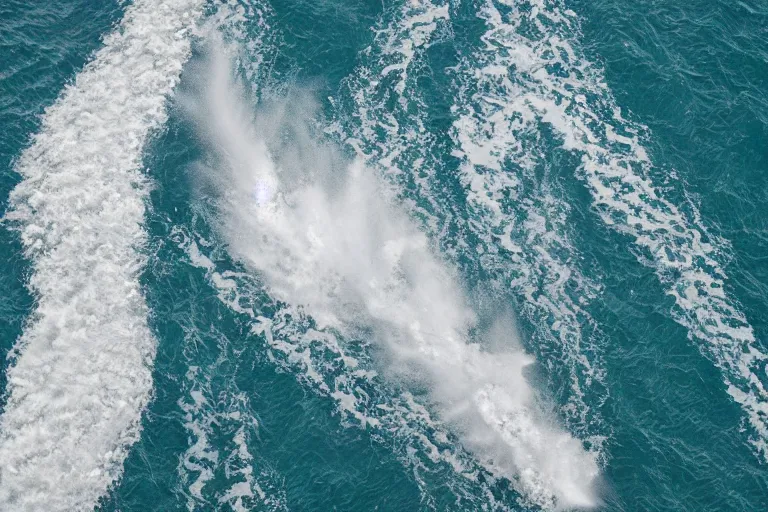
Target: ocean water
(395,255)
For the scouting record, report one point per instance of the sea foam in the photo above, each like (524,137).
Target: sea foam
(532,56)
(81,372)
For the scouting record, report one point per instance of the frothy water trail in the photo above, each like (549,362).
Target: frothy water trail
(320,359)
(520,239)
(324,236)
(82,368)
(531,55)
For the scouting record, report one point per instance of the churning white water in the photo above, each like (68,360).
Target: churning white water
(325,235)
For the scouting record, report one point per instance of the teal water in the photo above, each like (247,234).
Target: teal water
(541,286)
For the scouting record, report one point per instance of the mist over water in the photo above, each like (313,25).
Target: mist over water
(327,236)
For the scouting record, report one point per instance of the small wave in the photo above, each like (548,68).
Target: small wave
(82,368)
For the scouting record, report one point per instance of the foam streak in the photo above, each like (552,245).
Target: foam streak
(82,369)
(547,80)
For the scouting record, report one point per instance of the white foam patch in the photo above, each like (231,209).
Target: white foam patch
(531,55)
(219,427)
(332,242)
(82,369)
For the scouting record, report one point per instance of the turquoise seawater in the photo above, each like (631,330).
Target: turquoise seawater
(393,255)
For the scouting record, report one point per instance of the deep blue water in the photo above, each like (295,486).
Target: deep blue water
(403,255)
